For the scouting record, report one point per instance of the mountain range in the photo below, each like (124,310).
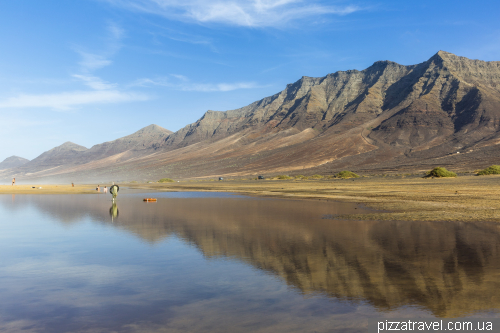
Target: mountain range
(386,118)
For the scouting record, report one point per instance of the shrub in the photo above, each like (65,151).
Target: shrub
(165,180)
(346,174)
(300,177)
(492,170)
(317,177)
(283,177)
(440,172)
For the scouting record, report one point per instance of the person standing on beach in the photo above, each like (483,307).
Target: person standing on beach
(98,189)
(105,190)
(13,181)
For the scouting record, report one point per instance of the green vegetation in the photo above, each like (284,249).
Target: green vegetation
(492,170)
(440,172)
(166,180)
(346,174)
(317,177)
(283,177)
(300,177)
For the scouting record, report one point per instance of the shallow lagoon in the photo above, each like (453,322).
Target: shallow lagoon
(202,262)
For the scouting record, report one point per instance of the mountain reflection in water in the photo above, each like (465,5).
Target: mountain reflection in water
(450,269)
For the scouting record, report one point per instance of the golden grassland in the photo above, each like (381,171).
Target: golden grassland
(466,198)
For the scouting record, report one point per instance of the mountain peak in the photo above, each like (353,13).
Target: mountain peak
(12,162)
(443,56)
(153,128)
(68,145)
(442,53)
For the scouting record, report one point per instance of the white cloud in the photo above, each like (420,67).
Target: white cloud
(248,13)
(116,32)
(67,100)
(183,83)
(180,77)
(92,61)
(95,82)
(219,86)
(95,60)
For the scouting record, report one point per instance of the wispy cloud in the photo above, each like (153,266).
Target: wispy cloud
(180,77)
(101,92)
(181,82)
(248,13)
(94,82)
(181,36)
(68,100)
(91,60)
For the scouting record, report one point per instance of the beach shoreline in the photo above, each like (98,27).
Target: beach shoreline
(468,199)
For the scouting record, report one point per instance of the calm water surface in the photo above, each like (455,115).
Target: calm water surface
(198,262)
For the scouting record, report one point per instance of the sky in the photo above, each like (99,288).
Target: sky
(91,71)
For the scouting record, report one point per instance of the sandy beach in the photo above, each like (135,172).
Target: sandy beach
(466,198)
(48,189)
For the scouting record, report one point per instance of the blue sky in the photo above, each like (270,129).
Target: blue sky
(90,71)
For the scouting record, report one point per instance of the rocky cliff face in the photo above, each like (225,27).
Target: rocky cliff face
(308,103)
(445,98)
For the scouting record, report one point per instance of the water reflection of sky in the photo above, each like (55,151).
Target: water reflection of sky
(222,263)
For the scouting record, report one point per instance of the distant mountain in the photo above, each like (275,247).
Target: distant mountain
(149,137)
(60,155)
(12,162)
(388,117)
(70,154)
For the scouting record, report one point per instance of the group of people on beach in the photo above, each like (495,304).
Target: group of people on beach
(98,188)
(104,190)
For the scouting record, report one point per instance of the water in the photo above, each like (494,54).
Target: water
(198,262)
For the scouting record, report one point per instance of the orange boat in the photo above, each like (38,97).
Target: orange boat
(150,199)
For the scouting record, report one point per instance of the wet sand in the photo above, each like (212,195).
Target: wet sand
(466,198)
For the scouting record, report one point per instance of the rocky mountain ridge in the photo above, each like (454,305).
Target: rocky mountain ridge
(386,117)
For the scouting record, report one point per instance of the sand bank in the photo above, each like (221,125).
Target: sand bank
(48,189)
